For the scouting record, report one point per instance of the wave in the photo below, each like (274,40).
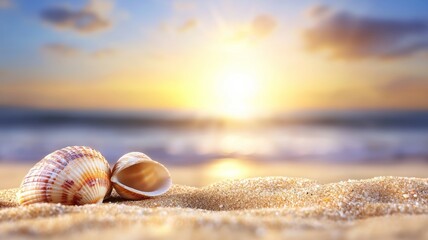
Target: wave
(373,118)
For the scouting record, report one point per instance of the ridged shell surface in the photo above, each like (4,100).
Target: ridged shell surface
(136,176)
(72,176)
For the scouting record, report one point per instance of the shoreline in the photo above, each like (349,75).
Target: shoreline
(11,174)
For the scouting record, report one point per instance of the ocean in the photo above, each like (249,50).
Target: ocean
(183,138)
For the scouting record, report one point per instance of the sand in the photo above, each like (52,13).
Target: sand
(254,208)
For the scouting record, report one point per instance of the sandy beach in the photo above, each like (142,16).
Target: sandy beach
(328,207)
(208,120)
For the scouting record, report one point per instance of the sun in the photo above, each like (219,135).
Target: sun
(236,89)
(237,78)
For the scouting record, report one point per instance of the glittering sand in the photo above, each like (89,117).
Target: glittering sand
(269,207)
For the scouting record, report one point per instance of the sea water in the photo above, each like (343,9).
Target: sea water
(342,137)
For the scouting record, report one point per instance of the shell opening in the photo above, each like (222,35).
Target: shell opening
(145,177)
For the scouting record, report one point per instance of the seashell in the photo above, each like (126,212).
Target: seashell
(136,176)
(72,176)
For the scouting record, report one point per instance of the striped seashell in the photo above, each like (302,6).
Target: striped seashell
(72,176)
(136,176)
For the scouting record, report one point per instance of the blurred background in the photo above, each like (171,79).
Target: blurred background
(220,88)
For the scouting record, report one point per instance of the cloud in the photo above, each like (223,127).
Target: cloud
(4,4)
(263,25)
(405,84)
(68,51)
(260,27)
(60,50)
(318,11)
(406,91)
(188,25)
(344,35)
(91,18)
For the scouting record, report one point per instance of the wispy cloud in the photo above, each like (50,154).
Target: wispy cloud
(318,11)
(263,25)
(91,18)
(348,36)
(405,92)
(68,51)
(405,84)
(60,50)
(188,25)
(260,27)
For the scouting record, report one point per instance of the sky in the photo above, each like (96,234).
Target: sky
(235,58)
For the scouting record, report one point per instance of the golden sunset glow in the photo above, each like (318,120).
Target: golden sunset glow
(234,60)
(235,91)
(229,168)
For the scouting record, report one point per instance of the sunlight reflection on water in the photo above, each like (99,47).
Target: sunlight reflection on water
(228,168)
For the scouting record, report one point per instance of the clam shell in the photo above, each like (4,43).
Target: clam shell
(72,176)
(136,176)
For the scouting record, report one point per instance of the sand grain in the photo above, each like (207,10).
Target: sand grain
(270,207)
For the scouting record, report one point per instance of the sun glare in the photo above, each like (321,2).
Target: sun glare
(236,89)
(228,168)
